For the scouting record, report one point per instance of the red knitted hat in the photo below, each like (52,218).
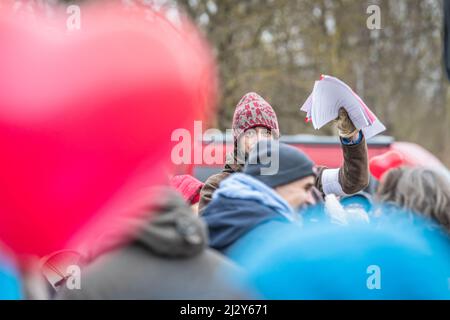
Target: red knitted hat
(253,111)
(381,164)
(188,186)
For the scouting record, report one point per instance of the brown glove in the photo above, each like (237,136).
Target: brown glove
(345,126)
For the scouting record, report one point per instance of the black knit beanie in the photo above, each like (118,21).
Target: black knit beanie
(268,155)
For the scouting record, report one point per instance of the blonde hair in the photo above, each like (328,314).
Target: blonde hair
(422,190)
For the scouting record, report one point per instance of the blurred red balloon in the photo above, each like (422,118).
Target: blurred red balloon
(379,165)
(86,118)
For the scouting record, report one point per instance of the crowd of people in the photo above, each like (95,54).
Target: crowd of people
(303,231)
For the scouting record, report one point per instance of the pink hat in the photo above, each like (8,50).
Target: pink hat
(188,186)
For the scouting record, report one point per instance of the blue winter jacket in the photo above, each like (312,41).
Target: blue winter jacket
(241,204)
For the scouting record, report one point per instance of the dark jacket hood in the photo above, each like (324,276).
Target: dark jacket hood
(168,227)
(228,220)
(173,230)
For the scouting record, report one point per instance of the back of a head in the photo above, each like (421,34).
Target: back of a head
(421,190)
(275,163)
(387,189)
(427,192)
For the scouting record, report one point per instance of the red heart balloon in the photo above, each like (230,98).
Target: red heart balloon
(379,165)
(86,117)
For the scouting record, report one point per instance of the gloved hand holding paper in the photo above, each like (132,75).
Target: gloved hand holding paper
(329,95)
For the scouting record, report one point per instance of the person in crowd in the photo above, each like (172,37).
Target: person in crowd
(420,190)
(166,258)
(252,200)
(254,120)
(189,187)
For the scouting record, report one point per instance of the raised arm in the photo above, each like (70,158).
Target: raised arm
(353,175)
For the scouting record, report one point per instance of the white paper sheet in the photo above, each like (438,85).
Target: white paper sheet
(329,95)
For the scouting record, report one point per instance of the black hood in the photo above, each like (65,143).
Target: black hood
(168,227)
(173,229)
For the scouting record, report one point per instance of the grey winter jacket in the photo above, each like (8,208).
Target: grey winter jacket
(167,259)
